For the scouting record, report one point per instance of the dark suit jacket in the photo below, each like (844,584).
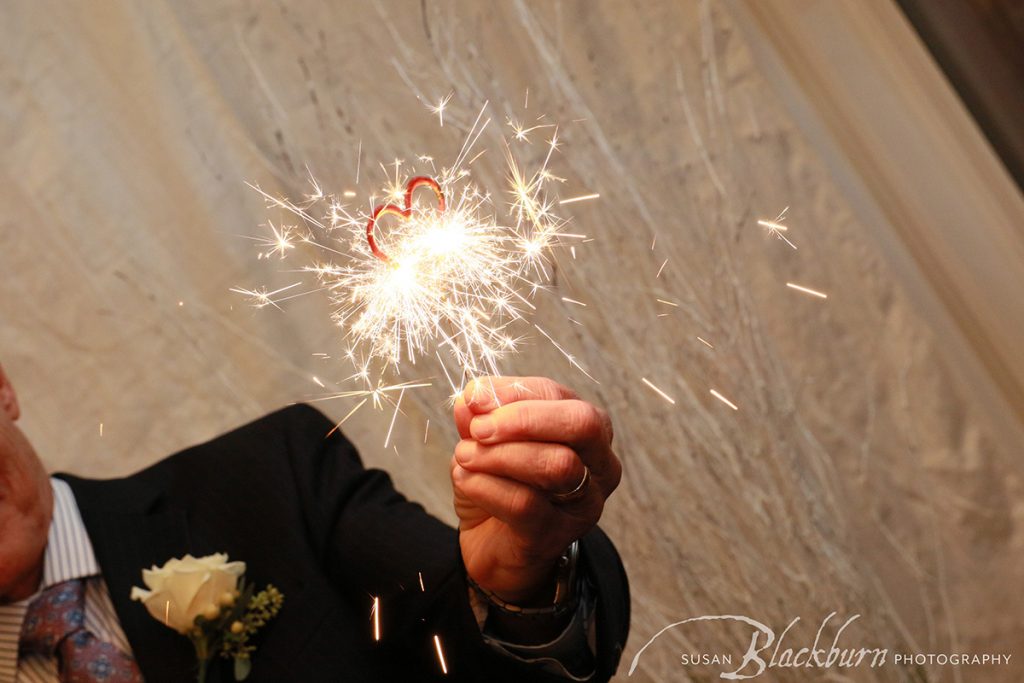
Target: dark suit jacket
(301,511)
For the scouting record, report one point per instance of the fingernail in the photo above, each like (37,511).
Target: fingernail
(476,396)
(481,404)
(481,427)
(464,452)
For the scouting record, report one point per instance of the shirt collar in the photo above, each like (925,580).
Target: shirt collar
(69,553)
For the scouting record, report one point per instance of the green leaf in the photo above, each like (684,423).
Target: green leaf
(243,665)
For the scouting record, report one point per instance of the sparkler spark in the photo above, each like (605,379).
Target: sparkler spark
(582,198)
(443,274)
(375,611)
(440,107)
(807,290)
(391,427)
(379,395)
(658,391)
(724,400)
(261,297)
(775,227)
(440,654)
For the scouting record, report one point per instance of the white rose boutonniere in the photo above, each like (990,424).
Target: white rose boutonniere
(208,600)
(185,588)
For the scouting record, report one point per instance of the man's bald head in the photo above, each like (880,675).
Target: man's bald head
(26,503)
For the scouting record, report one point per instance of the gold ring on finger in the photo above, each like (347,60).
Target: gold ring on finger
(576,493)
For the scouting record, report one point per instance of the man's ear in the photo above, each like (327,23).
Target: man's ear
(8,399)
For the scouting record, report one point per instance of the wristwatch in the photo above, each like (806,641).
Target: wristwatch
(566,593)
(565,586)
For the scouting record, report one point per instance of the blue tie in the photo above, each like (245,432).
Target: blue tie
(55,627)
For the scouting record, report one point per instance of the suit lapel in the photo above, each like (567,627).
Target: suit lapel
(131,528)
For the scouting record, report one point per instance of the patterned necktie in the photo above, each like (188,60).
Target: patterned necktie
(55,626)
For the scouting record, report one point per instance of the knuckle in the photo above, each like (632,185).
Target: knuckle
(463,452)
(614,472)
(459,476)
(559,465)
(524,504)
(547,388)
(605,420)
(522,420)
(583,419)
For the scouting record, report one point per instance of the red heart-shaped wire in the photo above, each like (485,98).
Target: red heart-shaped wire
(403,213)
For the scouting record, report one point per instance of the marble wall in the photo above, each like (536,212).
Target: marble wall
(856,476)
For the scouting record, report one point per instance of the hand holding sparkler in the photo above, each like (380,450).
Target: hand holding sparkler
(531,475)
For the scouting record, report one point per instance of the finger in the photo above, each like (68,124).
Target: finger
(512,502)
(578,424)
(462,416)
(483,394)
(551,467)
(487,393)
(572,422)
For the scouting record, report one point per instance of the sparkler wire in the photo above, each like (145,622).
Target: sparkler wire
(403,213)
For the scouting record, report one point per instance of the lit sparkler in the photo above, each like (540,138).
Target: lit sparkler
(441,268)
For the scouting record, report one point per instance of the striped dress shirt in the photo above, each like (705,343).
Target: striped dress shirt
(69,555)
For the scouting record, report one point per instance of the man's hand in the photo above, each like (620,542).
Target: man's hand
(524,441)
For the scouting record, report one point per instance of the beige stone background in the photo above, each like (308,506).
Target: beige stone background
(860,475)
